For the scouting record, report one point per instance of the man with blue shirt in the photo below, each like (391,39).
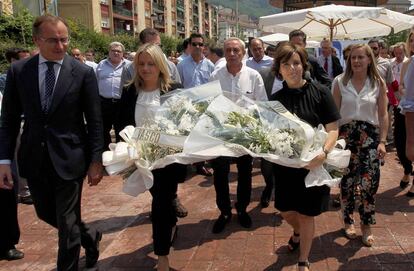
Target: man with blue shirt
(258,60)
(195,69)
(109,73)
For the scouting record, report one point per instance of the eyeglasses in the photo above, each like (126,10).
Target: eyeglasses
(53,41)
(374,48)
(116,51)
(195,44)
(234,50)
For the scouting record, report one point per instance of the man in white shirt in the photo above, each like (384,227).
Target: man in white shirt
(383,64)
(215,54)
(238,79)
(77,54)
(258,60)
(397,61)
(108,74)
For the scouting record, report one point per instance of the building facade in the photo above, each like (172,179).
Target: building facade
(173,17)
(233,25)
(398,5)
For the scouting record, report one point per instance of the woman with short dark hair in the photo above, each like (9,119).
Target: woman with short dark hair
(313,103)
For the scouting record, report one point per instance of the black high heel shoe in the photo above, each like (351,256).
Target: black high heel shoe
(404,184)
(292,245)
(304,264)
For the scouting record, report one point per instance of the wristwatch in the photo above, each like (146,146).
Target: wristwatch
(325,151)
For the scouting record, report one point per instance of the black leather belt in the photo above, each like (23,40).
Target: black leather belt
(112,100)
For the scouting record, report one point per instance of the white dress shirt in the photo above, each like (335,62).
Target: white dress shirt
(220,63)
(358,106)
(247,82)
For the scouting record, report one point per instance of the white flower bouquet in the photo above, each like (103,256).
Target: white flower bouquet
(262,129)
(159,142)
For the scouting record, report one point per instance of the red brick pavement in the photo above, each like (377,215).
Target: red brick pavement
(126,244)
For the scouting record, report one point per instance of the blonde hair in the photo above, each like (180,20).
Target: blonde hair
(159,59)
(372,71)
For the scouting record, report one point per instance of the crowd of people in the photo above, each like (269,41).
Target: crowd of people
(70,106)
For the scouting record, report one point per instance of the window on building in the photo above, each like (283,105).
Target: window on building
(105,22)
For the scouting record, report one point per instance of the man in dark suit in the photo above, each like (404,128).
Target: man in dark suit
(316,72)
(329,62)
(62,136)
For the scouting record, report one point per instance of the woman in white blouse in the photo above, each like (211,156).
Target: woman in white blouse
(138,101)
(360,95)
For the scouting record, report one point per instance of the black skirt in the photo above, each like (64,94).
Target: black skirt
(292,195)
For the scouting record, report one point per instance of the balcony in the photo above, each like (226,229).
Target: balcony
(121,31)
(159,24)
(158,7)
(195,20)
(181,29)
(180,5)
(181,19)
(122,11)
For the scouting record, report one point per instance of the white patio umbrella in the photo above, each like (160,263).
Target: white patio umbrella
(274,38)
(339,22)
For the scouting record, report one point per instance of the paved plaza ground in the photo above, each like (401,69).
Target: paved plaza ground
(127,243)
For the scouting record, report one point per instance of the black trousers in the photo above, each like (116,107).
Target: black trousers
(9,227)
(221,167)
(110,113)
(266,168)
(58,203)
(164,218)
(400,140)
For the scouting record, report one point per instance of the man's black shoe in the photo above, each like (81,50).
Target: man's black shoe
(265,198)
(244,219)
(180,210)
(92,253)
(202,170)
(221,222)
(12,254)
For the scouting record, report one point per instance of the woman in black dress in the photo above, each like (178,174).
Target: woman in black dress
(139,98)
(314,104)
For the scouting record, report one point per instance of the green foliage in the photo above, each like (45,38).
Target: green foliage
(170,44)
(398,37)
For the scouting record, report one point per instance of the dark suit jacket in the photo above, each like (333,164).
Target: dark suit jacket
(318,73)
(336,67)
(268,79)
(72,131)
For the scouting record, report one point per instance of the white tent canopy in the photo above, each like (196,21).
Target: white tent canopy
(339,22)
(274,39)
